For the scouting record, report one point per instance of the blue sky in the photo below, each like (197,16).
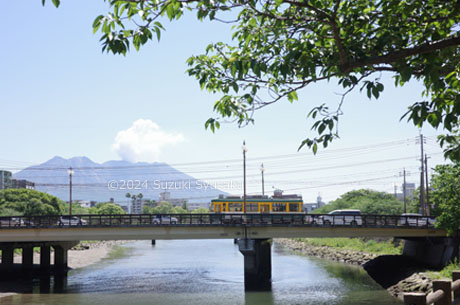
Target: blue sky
(60,95)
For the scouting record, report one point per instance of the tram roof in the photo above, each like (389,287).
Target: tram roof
(250,200)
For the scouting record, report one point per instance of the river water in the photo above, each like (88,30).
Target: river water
(204,272)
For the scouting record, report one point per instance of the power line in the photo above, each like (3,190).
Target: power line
(353,150)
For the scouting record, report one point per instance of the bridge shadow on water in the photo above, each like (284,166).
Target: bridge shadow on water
(36,280)
(39,282)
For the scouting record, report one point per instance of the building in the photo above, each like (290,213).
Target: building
(279,194)
(22,184)
(125,208)
(5,180)
(313,206)
(196,205)
(166,196)
(86,203)
(410,189)
(136,206)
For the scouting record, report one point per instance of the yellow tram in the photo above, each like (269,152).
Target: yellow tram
(258,204)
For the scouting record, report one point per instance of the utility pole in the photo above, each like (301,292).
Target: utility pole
(262,169)
(70,189)
(395,187)
(404,191)
(244,176)
(422,178)
(427,187)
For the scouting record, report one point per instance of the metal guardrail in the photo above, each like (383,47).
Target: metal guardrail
(445,292)
(223,219)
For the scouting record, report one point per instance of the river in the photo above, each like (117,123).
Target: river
(204,272)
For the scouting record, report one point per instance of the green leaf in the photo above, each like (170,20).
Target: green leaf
(157,31)
(321,128)
(292,96)
(97,23)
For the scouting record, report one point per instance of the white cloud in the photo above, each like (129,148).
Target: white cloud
(143,141)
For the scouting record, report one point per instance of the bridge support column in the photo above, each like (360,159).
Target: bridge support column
(257,264)
(7,258)
(60,258)
(27,258)
(45,257)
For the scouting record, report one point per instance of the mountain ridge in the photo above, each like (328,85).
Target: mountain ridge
(92,180)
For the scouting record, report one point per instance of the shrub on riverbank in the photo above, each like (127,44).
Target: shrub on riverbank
(356,244)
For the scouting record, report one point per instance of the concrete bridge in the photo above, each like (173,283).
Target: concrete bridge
(253,231)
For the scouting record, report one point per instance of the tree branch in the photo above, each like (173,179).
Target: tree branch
(425,48)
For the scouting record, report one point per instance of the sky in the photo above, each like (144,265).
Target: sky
(60,95)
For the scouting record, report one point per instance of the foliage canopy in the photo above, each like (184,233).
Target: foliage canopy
(107,208)
(282,46)
(445,195)
(16,202)
(164,207)
(368,201)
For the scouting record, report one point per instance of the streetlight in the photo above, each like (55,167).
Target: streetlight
(71,172)
(245,149)
(262,169)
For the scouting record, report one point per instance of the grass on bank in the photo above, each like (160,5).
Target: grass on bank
(356,244)
(446,272)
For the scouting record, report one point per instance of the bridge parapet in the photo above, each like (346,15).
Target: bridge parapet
(236,219)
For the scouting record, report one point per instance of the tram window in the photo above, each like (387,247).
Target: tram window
(235,207)
(294,207)
(251,207)
(279,207)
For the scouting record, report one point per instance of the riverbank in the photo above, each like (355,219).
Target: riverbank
(327,252)
(82,255)
(395,273)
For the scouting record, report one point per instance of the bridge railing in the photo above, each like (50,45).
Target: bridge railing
(231,219)
(445,292)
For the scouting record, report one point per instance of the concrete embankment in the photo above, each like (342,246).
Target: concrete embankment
(396,273)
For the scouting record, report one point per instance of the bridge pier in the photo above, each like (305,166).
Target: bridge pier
(60,257)
(26,268)
(257,264)
(28,258)
(7,258)
(45,258)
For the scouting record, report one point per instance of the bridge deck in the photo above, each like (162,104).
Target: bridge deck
(210,226)
(205,232)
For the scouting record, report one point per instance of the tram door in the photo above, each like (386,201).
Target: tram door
(264,208)
(218,208)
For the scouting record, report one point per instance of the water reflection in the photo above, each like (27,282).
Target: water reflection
(202,272)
